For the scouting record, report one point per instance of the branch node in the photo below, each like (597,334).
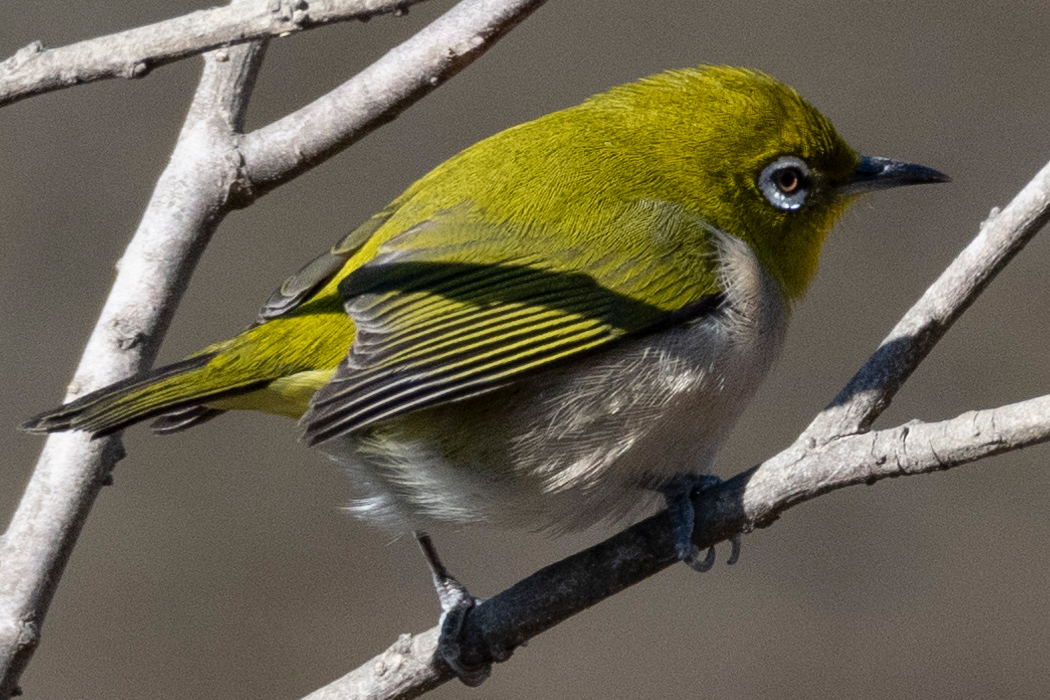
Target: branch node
(112,453)
(22,56)
(241,191)
(992,216)
(293,12)
(137,69)
(28,51)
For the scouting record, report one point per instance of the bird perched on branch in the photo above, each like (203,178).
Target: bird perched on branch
(552,328)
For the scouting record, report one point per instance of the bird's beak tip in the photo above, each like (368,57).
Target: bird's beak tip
(877,173)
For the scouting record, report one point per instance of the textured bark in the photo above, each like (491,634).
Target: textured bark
(134,53)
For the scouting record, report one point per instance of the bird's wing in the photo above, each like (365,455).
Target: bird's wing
(319,271)
(439,315)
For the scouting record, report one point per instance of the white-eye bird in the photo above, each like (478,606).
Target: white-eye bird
(554,326)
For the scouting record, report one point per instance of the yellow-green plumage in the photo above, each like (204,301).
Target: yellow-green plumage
(635,239)
(586,205)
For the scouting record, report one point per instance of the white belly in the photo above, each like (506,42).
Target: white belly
(579,444)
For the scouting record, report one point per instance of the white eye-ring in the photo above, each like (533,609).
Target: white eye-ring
(785,183)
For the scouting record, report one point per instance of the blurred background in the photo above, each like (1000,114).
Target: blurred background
(221,564)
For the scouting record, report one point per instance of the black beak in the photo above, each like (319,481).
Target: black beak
(875,173)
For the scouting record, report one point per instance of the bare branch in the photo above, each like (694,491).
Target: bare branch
(35,70)
(187,204)
(754,498)
(1002,236)
(278,152)
(805,470)
(405,670)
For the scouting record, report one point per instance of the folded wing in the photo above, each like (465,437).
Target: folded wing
(441,315)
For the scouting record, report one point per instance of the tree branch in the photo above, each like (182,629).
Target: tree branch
(805,471)
(1001,237)
(187,205)
(821,460)
(34,70)
(754,498)
(282,150)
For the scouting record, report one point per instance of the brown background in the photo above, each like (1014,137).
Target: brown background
(220,565)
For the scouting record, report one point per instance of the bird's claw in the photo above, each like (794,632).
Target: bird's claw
(450,643)
(695,563)
(734,555)
(456,605)
(678,493)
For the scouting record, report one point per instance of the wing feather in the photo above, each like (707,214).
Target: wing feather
(437,321)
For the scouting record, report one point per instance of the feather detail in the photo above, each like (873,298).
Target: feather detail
(441,315)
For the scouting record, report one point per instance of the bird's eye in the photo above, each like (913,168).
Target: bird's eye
(785,183)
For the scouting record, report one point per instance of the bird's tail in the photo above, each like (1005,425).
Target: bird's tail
(177,391)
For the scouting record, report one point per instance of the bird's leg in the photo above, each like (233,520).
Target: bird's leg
(678,493)
(456,604)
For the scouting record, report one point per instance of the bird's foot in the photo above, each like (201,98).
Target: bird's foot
(456,605)
(678,493)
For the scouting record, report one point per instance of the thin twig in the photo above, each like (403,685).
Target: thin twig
(871,389)
(805,471)
(34,70)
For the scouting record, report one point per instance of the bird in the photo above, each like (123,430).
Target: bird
(557,327)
